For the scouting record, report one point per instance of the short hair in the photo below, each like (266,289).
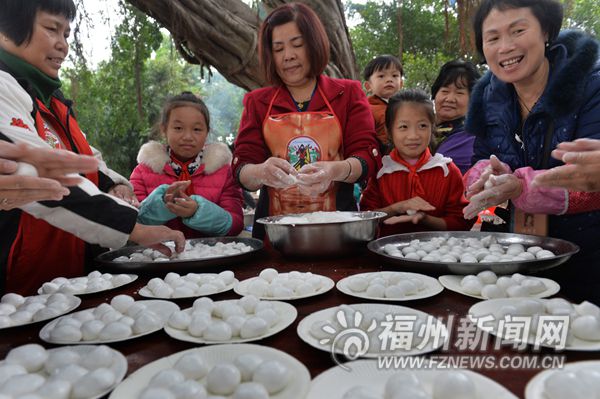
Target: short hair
(18,16)
(416,96)
(185,99)
(380,63)
(312,30)
(549,13)
(462,73)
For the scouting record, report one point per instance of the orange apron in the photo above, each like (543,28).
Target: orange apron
(303,138)
(41,251)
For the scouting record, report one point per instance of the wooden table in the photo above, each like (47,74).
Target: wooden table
(148,348)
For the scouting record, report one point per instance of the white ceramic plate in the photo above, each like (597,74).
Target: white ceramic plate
(214,354)
(162,308)
(492,306)
(118,366)
(327,284)
(73,303)
(431,287)
(329,314)
(452,282)
(85,292)
(145,291)
(535,386)
(335,382)
(287,314)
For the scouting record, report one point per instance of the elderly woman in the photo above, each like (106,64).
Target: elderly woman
(46,239)
(307,138)
(451,92)
(542,89)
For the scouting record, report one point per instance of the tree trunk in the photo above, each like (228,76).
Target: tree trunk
(472,6)
(137,67)
(223,34)
(446,22)
(462,25)
(399,25)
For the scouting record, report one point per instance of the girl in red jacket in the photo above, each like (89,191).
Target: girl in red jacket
(186,184)
(418,191)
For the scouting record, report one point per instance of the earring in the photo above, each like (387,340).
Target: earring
(547,44)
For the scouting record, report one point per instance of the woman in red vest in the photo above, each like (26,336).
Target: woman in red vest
(46,239)
(322,125)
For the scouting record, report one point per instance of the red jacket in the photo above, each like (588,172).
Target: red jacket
(212,180)
(348,102)
(378,108)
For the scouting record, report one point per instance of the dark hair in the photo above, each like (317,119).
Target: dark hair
(312,30)
(549,13)
(462,73)
(416,96)
(18,16)
(185,99)
(380,63)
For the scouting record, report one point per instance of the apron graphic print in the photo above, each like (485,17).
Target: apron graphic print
(303,151)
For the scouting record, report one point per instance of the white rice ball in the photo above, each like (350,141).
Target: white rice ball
(115,331)
(94,383)
(30,356)
(491,291)
(192,366)
(247,364)
(250,390)
(268,274)
(454,385)
(166,378)
(223,379)
(273,375)
(254,327)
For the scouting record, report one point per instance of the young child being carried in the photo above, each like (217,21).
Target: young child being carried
(418,191)
(383,79)
(186,184)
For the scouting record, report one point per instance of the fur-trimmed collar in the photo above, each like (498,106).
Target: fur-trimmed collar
(573,56)
(391,166)
(154,155)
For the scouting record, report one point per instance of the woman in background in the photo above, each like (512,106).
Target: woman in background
(451,92)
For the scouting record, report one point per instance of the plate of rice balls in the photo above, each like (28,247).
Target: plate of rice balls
(470,252)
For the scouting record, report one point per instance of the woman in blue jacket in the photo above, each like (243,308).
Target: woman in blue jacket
(543,88)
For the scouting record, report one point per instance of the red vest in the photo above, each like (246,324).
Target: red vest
(40,251)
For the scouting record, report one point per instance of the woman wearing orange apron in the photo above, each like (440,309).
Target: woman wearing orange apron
(308,138)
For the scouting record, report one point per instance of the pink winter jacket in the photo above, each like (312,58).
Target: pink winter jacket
(215,190)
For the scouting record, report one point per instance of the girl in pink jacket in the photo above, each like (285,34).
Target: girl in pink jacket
(186,184)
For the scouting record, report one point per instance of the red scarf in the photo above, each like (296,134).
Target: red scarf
(185,174)
(415,188)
